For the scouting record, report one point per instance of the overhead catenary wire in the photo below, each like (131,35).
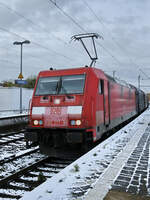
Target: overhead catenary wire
(41,28)
(81,28)
(144,73)
(63,12)
(35,43)
(31,22)
(67,15)
(23,38)
(108,52)
(17,54)
(37,26)
(100,20)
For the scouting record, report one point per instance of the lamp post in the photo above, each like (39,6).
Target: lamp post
(21,76)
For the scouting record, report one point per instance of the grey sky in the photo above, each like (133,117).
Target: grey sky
(124,25)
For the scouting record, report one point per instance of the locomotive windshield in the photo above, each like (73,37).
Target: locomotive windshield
(73,84)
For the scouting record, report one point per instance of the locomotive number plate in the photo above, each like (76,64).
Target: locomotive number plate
(56,117)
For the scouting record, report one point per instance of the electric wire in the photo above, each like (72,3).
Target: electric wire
(108,52)
(39,27)
(81,28)
(35,43)
(31,22)
(71,18)
(144,73)
(67,15)
(100,20)
(36,25)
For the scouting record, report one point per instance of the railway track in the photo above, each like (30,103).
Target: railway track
(23,169)
(26,179)
(13,153)
(11,137)
(13,157)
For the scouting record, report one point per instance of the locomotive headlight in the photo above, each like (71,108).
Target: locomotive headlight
(73,122)
(78,122)
(35,122)
(40,122)
(57,101)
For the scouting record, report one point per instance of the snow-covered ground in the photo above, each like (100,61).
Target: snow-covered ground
(76,180)
(13,113)
(12,118)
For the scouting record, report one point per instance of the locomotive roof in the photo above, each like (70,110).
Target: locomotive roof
(70,70)
(121,82)
(85,69)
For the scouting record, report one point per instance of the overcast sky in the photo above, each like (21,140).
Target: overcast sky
(124,25)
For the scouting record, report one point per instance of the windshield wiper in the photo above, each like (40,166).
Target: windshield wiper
(68,96)
(60,87)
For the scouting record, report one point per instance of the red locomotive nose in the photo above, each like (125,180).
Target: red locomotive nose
(56,117)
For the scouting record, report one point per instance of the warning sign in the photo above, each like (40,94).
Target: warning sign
(20,76)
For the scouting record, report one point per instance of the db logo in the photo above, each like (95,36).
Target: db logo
(55,110)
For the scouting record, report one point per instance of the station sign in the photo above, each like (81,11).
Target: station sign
(20,82)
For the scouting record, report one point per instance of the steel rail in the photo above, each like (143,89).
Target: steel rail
(10,141)
(11,134)
(14,157)
(7,179)
(39,166)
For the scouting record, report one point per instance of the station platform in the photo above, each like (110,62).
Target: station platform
(128,176)
(117,169)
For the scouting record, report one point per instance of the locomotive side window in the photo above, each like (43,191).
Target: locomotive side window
(73,84)
(101,86)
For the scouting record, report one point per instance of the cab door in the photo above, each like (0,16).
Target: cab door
(106,96)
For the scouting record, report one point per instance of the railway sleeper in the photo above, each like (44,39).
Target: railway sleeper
(56,166)
(10,196)
(31,174)
(15,187)
(47,171)
(34,174)
(29,183)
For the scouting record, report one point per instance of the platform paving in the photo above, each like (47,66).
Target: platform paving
(130,171)
(135,174)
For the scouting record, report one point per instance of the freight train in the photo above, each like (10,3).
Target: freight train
(78,106)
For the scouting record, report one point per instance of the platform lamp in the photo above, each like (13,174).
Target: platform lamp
(21,45)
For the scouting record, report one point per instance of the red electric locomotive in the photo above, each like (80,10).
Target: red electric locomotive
(77,106)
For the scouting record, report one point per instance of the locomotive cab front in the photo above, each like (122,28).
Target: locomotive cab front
(60,111)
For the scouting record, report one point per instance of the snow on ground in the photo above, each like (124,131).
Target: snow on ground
(76,179)
(8,118)
(12,113)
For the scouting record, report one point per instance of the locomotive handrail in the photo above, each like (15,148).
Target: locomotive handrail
(29,108)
